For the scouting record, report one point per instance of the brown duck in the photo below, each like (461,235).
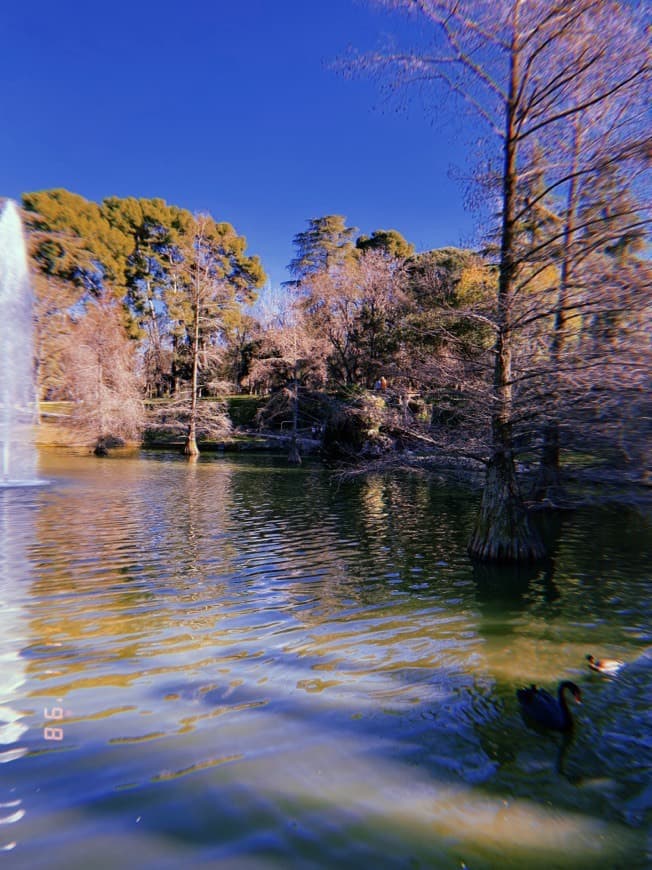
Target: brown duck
(604,666)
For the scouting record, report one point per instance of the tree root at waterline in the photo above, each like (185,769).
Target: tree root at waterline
(503,532)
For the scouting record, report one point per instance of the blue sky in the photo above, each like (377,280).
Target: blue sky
(226,107)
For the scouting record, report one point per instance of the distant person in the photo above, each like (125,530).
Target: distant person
(377,385)
(383,383)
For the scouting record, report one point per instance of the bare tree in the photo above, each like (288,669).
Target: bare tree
(102,379)
(290,354)
(588,215)
(520,65)
(172,418)
(356,306)
(211,275)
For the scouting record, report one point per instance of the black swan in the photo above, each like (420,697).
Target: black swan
(604,666)
(540,707)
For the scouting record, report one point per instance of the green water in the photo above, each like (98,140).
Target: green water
(247,666)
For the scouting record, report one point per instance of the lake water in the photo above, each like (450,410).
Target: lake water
(240,665)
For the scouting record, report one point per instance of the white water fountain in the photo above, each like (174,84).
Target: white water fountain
(18,411)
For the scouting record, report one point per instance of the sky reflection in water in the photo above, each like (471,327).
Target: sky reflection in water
(259,667)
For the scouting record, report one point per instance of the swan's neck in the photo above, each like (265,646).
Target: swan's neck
(563,703)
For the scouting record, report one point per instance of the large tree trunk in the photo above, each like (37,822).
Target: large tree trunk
(502,531)
(294,456)
(548,483)
(190,447)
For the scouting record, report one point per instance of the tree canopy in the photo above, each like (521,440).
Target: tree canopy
(140,254)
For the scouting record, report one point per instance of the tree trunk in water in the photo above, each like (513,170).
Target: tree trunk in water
(548,481)
(502,531)
(294,457)
(190,447)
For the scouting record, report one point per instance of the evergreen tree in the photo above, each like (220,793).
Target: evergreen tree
(391,242)
(327,242)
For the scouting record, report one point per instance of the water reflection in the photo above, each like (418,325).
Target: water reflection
(15,527)
(263,668)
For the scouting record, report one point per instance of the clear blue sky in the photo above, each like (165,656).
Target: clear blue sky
(226,107)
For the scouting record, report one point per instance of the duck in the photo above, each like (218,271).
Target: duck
(604,666)
(540,707)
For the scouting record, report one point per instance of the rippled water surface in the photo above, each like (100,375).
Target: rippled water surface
(240,665)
